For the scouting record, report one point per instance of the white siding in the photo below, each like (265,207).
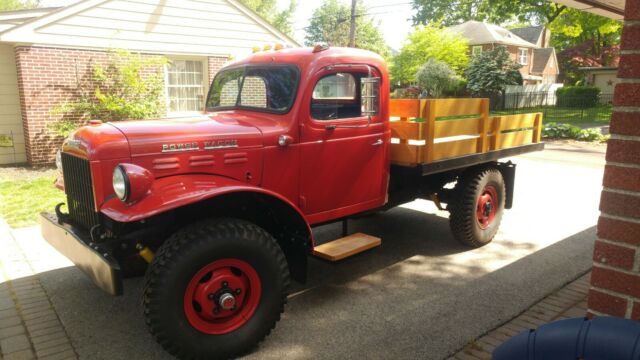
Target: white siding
(198,27)
(10,118)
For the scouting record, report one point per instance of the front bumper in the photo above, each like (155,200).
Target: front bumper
(98,264)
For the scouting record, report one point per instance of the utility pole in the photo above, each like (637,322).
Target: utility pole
(352,30)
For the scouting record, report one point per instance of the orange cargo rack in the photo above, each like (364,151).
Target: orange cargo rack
(424,131)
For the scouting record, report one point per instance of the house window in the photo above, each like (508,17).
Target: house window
(476,50)
(185,87)
(523,56)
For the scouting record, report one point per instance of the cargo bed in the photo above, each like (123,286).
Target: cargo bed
(444,134)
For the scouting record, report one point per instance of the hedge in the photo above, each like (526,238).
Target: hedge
(577,96)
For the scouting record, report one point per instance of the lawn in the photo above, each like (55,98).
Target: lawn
(23,197)
(599,115)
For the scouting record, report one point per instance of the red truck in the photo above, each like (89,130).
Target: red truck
(217,210)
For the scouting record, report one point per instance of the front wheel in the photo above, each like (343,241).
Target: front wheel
(477,208)
(215,289)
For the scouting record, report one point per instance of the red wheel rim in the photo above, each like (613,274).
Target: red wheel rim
(487,207)
(222,296)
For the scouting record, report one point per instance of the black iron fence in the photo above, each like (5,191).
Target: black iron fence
(572,109)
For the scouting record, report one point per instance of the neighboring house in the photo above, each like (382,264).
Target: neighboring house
(539,63)
(45,52)
(605,78)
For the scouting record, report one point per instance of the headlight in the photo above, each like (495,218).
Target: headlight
(121,184)
(131,183)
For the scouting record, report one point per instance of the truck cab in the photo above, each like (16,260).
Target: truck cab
(217,210)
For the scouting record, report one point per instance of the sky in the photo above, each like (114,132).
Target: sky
(393,16)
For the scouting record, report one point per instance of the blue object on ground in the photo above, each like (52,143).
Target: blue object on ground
(602,338)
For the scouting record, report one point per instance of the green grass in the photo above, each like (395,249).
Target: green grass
(21,201)
(594,115)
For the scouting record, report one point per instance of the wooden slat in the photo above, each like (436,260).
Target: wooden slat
(518,121)
(346,246)
(496,131)
(483,142)
(404,108)
(451,149)
(406,130)
(537,128)
(429,114)
(448,128)
(458,107)
(515,138)
(405,154)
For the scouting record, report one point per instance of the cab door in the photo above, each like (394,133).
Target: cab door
(344,167)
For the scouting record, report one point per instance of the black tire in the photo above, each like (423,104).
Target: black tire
(183,256)
(464,220)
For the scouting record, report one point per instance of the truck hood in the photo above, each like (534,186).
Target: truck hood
(181,134)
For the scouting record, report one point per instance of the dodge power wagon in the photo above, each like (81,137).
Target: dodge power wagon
(217,210)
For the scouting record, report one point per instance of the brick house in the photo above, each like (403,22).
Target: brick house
(44,53)
(539,62)
(615,279)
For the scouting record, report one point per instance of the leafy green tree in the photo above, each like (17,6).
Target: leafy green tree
(330,24)
(9,5)
(123,89)
(268,9)
(429,42)
(491,71)
(584,39)
(436,77)
(452,12)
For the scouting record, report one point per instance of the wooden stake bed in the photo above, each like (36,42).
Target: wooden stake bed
(428,131)
(346,246)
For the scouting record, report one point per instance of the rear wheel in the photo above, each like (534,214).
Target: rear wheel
(215,289)
(477,208)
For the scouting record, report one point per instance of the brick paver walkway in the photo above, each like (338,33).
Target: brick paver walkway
(29,326)
(568,302)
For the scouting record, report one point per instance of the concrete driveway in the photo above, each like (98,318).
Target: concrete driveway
(421,295)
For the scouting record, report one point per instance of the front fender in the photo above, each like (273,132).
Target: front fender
(176,191)
(279,217)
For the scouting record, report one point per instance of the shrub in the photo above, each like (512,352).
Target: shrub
(491,71)
(436,77)
(567,131)
(123,89)
(577,96)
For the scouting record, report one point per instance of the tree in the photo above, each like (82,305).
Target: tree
(436,77)
(9,5)
(330,24)
(429,42)
(268,9)
(491,71)
(584,39)
(452,12)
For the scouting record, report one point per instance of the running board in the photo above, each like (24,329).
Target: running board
(346,246)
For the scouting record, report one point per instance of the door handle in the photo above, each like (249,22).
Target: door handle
(378,142)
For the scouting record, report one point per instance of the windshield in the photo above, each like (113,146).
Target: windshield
(266,88)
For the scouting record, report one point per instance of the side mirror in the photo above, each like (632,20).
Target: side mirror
(370,95)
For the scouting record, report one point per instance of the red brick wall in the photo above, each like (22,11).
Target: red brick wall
(615,280)
(48,77)
(215,64)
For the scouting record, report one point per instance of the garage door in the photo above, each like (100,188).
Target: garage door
(11,135)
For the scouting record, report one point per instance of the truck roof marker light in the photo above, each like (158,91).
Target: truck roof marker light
(320,47)
(267,47)
(255,49)
(278,46)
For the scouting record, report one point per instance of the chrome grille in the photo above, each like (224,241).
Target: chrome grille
(79,190)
